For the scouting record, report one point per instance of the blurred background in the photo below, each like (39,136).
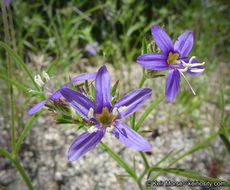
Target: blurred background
(66,38)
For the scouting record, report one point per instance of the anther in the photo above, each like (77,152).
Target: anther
(92,129)
(109,129)
(46,76)
(90,113)
(115,111)
(122,108)
(38,80)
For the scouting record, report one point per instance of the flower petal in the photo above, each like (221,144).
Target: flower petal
(133,101)
(86,76)
(84,143)
(78,101)
(130,138)
(153,61)
(184,43)
(102,89)
(186,60)
(172,84)
(39,106)
(162,39)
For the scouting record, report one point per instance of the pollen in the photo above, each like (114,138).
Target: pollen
(172,58)
(91,113)
(92,129)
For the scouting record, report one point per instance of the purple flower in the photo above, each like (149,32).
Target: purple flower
(92,48)
(55,94)
(7,1)
(105,116)
(173,57)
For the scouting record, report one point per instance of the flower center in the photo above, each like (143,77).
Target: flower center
(172,58)
(105,117)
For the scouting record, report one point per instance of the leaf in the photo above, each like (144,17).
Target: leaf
(71,84)
(118,159)
(114,89)
(147,112)
(19,60)
(144,46)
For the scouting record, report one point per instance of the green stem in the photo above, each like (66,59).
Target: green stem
(145,160)
(9,71)
(195,148)
(25,131)
(19,167)
(139,185)
(122,163)
(14,83)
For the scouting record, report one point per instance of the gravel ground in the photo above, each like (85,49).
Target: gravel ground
(44,151)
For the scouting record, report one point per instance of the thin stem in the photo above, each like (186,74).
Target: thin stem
(6,31)
(12,27)
(139,185)
(144,159)
(14,83)
(25,131)
(133,117)
(19,167)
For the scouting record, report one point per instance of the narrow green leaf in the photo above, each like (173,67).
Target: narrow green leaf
(225,141)
(118,159)
(14,83)
(25,131)
(19,60)
(96,186)
(145,131)
(51,66)
(147,112)
(158,163)
(144,46)
(197,147)
(114,89)
(120,181)
(71,84)
(93,90)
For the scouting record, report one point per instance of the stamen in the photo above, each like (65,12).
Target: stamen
(115,111)
(183,70)
(38,80)
(191,65)
(45,75)
(109,129)
(122,108)
(197,70)
(35,91)
(91,113)
(187,82)
(92,129)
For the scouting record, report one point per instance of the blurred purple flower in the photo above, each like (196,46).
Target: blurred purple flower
(7,1)
(105,116)
(55,94)
(174,58)
(92,48)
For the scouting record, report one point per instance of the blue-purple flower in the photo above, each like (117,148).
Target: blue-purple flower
(7,1)
(173,57)
(55,94)
(92,48)
(105,116)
